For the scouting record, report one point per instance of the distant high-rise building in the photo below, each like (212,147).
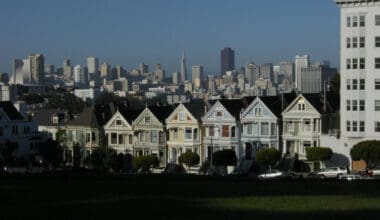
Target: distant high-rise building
(67,69)
(159,72)
(211,84)
(93,65)
(143,68)
(105,70)
(197,75)
(183,68)
(17,65)
(37,70)
(227,60)
(287,69)
(300,62)
(175,78)
(310,79)
(49,69)
(80,77)
(252,72)
(4,78)
(120,72)
(266,71)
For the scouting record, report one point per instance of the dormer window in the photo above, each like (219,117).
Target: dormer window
(147,119)
(181,116)
(219,114)
(257,111)
(55,119)
(118,122)
(301,106)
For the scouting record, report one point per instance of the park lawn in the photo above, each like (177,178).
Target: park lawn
(295,204)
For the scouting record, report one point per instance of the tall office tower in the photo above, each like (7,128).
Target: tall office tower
(211,84)
(17,65)
(80,77)
(266,71)
(159,72)
(49,69)
(241,82)
(197,76)
(67,69)
(93,69)
(287,70)
(183,68)
(252,72)
(300,62)
(360,70)
(143,68)
(175,78)
(37,70)
(120,72)
(227,56)
(310,79)
(105,70)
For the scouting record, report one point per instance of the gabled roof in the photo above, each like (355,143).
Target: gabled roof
(104,113)
(278,103)
(317,101)
(43,117)
(85,119)
(11,111)
(196,108)
(129,114)
(161,112)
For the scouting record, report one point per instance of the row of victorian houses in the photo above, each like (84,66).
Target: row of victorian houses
(289,122)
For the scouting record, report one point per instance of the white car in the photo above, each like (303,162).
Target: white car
(350,177)
(270,174)
(332,172)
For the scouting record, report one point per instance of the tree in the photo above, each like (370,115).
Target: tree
(52,152)
(369,151)
(335,84)
(7,151)
(144,163)
(224,158)
(318,154)
(268,157)
(103,158)
(189,159)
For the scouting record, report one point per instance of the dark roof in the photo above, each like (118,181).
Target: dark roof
(317,101)
(196,108)
(104,113)
(43,117)
(129,114)
(85,119)
(278,103)
(234,106)
(161,112)
(11,111)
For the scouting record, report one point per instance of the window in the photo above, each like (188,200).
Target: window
(377,105)
(377,41)
(354,21)
(377,83)
(348,64)
(265,128)
(211,131)
(354,84)
(362,21)
(361,105)
(255,129)
(88,137)
(348,84)
(348,126)
(188,134)
(26,130)
(354,63)
(225,131)
(354,42)
(361,126)
(362,84)
(175,133)
(362,42)
(377,20)
(147,119)
(290,126)
(257,111)
(377,126)
(249,128)
(161,137)
(348,42)
(93,136)
(301,106)
(355,126)
(362,63)
(121,139)
(377,63)
(142,136)
(154,135)
(118,122)
(233,131)
(273,129)
(219,114)
(307,125)
(348,105)
(113,138)
(196,134)
(348,21)
(14,130)
(181,116)
(354,105)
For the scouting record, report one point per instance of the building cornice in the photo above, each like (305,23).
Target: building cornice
(356,3)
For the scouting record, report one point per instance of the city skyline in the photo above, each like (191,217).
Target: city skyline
(162,31)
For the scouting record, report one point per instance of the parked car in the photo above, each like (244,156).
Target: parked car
(350,177)
(332,172)
(270,174)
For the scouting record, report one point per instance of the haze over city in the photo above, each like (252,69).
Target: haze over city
(131,32)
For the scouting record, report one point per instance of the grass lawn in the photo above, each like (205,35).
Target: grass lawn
(83,196)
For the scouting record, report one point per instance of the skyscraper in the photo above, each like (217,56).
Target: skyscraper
(300,62)
(227,60)
(159,72)
(67,69)
(143,68)
(80,77)
(93,69)
(197,76)
(360,71)
(37,71)
(252,73)
(183,68)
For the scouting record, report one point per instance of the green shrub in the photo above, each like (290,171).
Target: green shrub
(144,163)
(268,156)
(369,151)
(189,158)
(318,153)
(224,158)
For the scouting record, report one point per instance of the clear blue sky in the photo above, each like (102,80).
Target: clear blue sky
(128,32)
